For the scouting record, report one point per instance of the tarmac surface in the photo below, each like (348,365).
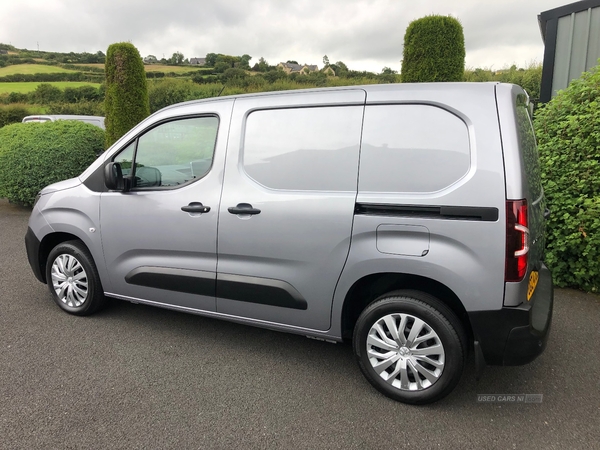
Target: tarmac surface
(134,376)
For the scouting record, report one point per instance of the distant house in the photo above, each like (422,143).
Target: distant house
(328,71)
(297,68)
(3,52)
(198,61)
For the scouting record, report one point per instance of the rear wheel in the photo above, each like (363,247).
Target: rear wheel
(73,279)
(410,346)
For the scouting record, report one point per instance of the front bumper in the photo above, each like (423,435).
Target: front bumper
(32,244)
(512,336)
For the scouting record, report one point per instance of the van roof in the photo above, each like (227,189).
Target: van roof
(459,86)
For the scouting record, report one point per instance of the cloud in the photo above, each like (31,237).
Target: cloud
(365,34)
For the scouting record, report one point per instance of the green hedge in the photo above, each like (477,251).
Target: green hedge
(34,155)
(568,133)
(169,91)
(84,108)
(51,77)
(529,78)
(14,114)
(434,50)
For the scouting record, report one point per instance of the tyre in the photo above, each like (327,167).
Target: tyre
(73,279)
(410,346)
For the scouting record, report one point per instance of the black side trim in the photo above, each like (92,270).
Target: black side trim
(265,291)
(180,280)
(485,214)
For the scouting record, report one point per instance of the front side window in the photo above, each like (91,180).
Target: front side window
(171,154)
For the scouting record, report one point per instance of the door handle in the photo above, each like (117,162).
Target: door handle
(243,208)
(196,207)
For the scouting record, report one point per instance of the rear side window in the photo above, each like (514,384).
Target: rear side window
(412,148)
(529,151)
(307,149)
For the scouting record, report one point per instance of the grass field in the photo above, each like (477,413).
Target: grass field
(31,69)
(175,69)
(156,68)
(26,87)
(99,65)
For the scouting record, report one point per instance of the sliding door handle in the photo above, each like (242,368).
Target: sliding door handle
(243,208)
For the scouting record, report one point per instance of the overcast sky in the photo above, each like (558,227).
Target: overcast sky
(364,34)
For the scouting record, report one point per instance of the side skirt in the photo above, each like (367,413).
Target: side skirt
(307,332)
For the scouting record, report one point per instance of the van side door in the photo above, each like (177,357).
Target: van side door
(288,204)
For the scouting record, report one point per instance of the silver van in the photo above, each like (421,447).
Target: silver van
(407,219)
(93,120)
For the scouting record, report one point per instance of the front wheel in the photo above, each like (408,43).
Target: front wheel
(73,279)
(410,346)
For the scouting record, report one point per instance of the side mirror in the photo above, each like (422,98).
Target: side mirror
(113,177)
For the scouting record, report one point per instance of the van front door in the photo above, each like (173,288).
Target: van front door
(159,239)
(287,206)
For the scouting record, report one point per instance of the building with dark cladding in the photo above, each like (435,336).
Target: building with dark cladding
(571,35)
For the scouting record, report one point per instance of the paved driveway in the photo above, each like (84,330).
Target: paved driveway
(139,377)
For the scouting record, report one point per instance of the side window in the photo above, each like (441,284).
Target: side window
(528,146)
(125,158)
(171,154)
(412,149)
(307,149)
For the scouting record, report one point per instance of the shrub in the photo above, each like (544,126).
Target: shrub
(204,79)
(169,91)
(33,155)
(568,134)
(388,76)
(126,99)
(221,67)
(46,93)
(478,75)
(18,97)
(82,93)
(13,114)
(85,108)
(531,81)
(274,75)
(434,50)
(234,77)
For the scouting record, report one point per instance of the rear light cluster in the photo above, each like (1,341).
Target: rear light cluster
(517,240)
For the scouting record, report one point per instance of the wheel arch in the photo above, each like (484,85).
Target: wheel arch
(367,289)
